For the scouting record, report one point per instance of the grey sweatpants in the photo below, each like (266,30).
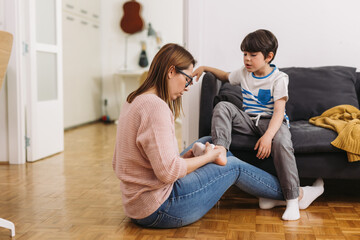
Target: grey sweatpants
(228,118)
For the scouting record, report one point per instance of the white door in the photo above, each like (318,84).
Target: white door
(44,120)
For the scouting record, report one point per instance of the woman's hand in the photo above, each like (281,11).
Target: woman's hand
(188,154)
(210,155)
(264,147)
(210,151)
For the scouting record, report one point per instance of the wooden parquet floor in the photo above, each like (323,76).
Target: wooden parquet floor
(75,195)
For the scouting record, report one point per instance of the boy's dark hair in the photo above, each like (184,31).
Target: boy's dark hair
(262,41)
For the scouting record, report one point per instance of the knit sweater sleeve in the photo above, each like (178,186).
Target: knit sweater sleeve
(156,139)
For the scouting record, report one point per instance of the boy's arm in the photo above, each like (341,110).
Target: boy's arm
(264,143)
(220,74)
(277,118)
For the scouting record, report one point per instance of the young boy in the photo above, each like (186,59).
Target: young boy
(264,90)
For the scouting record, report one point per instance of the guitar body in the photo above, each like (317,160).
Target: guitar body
(131,22)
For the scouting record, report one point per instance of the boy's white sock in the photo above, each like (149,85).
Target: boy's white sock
(198,148)
(292,210)
(266,203)
(311,193)
(292,207)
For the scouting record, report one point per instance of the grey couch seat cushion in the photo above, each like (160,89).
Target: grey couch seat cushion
(306,138)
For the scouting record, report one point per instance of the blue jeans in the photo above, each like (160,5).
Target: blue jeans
(196,193)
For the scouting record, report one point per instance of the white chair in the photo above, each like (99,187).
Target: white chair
(6,40)
(9,225)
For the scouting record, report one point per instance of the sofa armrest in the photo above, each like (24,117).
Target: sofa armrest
(209,89)
(357,86)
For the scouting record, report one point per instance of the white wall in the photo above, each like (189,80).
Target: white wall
(12,129)
(165,18)
(193,41)
(81,62)
(2,23)
(3,103)
(310,33)
(3,124)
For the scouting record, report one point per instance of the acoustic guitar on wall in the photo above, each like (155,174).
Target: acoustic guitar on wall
(131,22)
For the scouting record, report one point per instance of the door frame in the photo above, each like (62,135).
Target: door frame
(35,125)
(15,85)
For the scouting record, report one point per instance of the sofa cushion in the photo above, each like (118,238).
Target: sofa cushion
(243,142)
(306,138)
(230,93)
(314,90)
(357,86)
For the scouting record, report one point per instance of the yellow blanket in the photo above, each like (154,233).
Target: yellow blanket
(345,120)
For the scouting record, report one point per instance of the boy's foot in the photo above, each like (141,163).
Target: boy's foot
(311,193)
(292,210)
(267,203)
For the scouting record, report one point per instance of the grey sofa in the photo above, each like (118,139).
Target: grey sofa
(311,92)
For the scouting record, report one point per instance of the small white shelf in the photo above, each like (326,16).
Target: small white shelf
(127,81)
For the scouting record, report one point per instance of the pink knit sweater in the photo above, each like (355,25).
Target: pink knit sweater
(146,157)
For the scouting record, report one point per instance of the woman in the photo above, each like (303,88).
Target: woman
(160,188)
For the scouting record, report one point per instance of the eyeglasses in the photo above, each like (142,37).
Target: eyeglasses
(188,78)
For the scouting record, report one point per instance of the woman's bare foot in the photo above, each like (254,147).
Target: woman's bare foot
(199,149)
(222,159)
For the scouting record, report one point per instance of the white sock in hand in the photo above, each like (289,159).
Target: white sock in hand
(198,148)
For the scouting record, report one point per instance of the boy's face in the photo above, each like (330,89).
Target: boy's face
(255,61)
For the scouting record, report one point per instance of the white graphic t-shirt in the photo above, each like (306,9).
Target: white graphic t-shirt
(260,93)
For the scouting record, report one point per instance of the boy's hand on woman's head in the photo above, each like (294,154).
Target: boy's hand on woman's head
(198,72)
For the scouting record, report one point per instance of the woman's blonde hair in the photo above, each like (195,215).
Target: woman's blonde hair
(169,55)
